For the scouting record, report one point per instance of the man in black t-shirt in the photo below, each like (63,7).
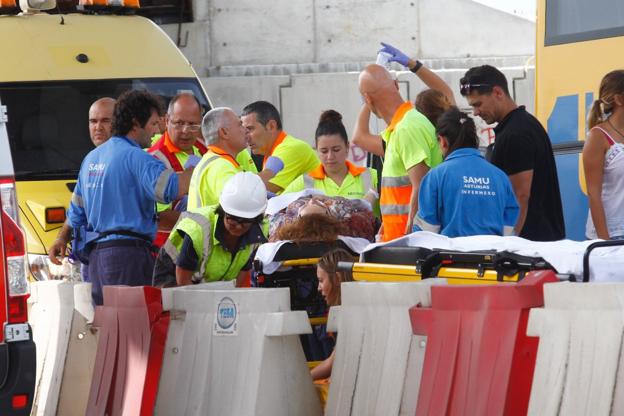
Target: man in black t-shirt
(522,150)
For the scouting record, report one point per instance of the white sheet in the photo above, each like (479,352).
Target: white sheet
(566,256)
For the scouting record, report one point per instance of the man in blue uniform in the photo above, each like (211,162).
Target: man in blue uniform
(115,196)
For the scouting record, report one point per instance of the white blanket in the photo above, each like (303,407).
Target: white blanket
(566,256)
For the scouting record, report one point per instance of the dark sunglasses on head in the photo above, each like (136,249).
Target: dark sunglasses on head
(239,220)
(465,87)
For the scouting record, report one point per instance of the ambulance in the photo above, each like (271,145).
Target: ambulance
(17,349)
(54,66)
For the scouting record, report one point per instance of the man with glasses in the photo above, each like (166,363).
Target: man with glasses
(522,150)
(178,146)
(225,137)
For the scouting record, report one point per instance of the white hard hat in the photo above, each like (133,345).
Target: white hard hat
(244,195)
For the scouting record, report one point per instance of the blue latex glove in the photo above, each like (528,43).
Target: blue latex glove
(274,164)
(396,55)
(192,160)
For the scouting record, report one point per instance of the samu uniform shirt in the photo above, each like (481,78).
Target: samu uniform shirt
(466,195)
(117,188)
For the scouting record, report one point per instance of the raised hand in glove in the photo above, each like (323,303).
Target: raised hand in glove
(395,54)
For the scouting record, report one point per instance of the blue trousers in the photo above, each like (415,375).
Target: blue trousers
(110,264)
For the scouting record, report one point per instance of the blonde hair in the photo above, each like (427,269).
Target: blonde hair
(611,84)
(432,104)
(329,263)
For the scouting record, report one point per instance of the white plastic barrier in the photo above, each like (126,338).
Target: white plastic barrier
(81,352)
(59,312)
(378,360)
(579,368)
(235,352)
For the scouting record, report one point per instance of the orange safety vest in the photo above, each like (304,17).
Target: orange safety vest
(165,151)
(396,188)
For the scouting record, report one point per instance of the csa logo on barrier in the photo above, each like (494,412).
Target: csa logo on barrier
(226,319)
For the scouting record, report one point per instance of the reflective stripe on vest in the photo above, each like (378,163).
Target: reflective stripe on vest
(163,158)
(394,204)
(206,227)
(308,182)
(367,181)
(200,169)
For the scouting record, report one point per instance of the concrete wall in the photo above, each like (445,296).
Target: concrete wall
(305,55)
(247,33)
(302,97)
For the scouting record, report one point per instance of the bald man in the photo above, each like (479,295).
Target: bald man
(101,120)
(411,149)
(100,130)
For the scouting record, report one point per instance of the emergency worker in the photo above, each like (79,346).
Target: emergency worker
(100,130)
(178,144)
(465,195)
(285,158)
(522,150)
(411,150)
(216,242)
(114,199)
(336,176)
(225,136)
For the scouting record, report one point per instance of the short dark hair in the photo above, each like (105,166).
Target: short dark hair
(264,111)
(482,79)
(134,105)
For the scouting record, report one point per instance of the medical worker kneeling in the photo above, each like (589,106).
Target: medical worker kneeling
(216,242)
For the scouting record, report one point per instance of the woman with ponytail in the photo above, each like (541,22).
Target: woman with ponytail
(336,176)
(465,194)
(603,160)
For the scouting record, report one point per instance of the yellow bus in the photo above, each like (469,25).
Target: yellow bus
(578,42)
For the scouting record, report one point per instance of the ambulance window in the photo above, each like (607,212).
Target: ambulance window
(48,121)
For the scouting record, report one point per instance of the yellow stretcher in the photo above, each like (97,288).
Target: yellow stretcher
(376,272)
(401,264)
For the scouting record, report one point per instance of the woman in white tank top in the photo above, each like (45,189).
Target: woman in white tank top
(603,160)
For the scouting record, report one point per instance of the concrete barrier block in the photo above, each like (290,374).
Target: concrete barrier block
(235,352)
(280,324)
(376,348)
(579,366)
(167,293)
(81,350)
(51,313)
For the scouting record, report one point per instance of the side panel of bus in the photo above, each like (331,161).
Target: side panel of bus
(572,56)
